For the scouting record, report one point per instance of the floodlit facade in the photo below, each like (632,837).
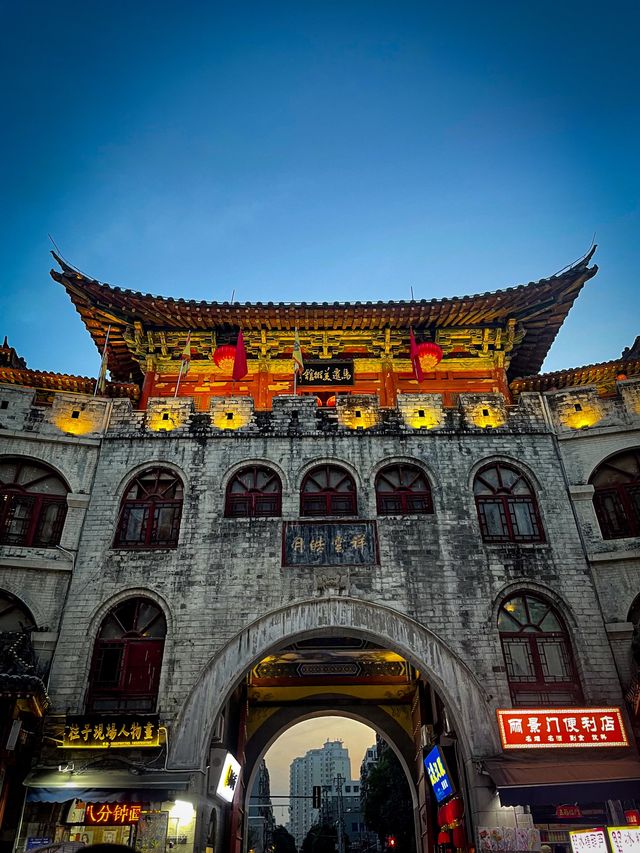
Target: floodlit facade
(273,512)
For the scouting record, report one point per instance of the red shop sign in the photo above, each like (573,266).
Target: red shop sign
(568,811)
(633,817)
(553,728)
(111,813)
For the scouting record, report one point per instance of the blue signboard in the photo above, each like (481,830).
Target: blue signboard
(438,774)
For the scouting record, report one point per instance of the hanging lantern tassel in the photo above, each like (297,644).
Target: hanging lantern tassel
(429,355)
(224,357)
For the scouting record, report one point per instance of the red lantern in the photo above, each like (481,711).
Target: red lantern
(224,356)
(443,837)
(429,355)
(441,816)
(456,810)
(459,838)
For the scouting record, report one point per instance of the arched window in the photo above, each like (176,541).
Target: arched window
(617,495)
(254,492)
(328,490)
(150,511)
(537,653)
(506,504)
(14,615)
(403,490)
(125,671)
(33,504)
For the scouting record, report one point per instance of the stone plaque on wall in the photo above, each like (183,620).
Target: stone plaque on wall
(329,543)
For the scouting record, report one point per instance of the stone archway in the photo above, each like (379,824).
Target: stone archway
(467,701)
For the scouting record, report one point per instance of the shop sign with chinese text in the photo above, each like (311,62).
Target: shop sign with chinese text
(329,543)
(553,728)
(107,731)
(228,780)
(327,373)
(624,839)
(438,773)
(568,811)
(112,813)
(589,841)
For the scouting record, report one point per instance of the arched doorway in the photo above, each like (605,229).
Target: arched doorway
(242,681)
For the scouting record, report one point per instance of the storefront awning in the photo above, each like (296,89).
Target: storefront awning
(543,783)
(49,786)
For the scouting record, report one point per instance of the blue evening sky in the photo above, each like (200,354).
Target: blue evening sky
(334,150)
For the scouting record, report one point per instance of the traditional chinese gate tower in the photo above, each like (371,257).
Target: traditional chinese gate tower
(229,557)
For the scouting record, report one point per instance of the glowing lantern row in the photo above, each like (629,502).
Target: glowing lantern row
(429,355)
(224,356)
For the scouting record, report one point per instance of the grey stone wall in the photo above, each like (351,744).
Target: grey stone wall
(227,573)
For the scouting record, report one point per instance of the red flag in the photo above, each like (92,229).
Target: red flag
(240,360)
(415,359)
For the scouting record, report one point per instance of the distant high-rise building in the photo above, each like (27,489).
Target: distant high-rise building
(261,819)
(318,767)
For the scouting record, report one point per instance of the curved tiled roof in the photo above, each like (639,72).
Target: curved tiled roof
(540,307)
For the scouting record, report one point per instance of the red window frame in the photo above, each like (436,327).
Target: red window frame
(617,500)
(254,500)
(506,501)
(337,500)
(136,660)
(539,688)
(157,497)
(15,496)
(411,496)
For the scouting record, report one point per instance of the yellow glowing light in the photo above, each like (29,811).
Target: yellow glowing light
(423,418)
(231,417)
(486,415)
(83,422)
(359,417)
(587,415)
(182,811)
(167,420)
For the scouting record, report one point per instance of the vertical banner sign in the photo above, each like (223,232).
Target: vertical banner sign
(438,774)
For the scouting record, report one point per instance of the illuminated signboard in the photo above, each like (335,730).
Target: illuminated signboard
(326,373)
(104,732)
(589,841)
(112,813)
(438,774)
(624,839)
(553,728)
(228,780)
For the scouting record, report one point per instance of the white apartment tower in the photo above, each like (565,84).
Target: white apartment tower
(316,767)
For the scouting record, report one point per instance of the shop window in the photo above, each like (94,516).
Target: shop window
(506,504)
(254,492)
(33,504)
(328,490)
(14,616)
(127,657)
(150,511)
(403,490)
(617,495)
(537,653)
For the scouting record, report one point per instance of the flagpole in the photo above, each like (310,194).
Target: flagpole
(295,379)
(102,361)
(175,393)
